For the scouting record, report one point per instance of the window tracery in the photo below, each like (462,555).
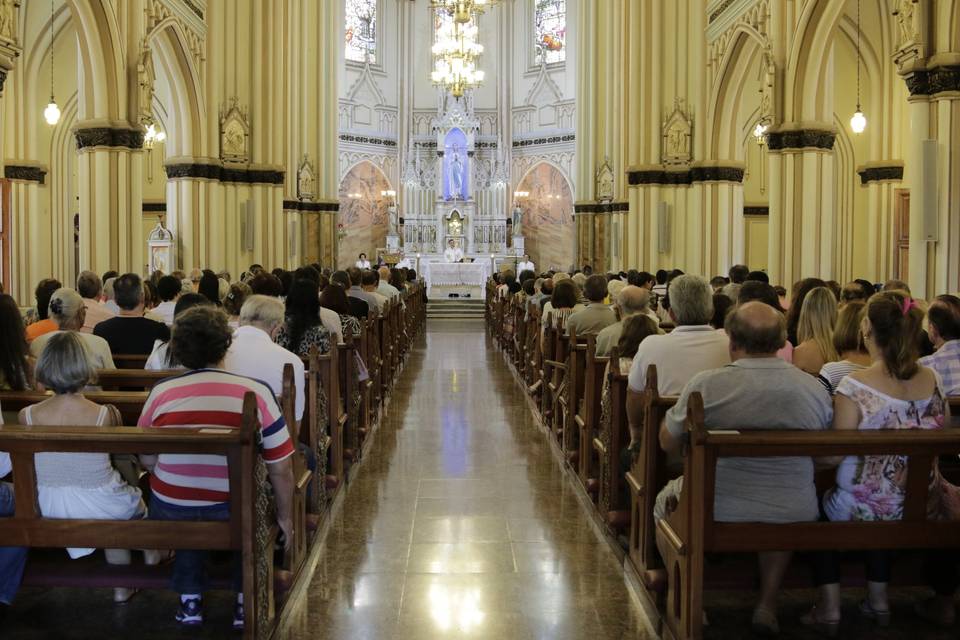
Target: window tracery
(550,30)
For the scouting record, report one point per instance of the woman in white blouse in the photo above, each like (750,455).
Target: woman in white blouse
(362,262)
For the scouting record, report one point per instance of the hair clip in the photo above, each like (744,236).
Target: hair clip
(908,304)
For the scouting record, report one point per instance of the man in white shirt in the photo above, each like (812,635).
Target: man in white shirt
(629,302)
(169,289)
(525,265)
(453,253)
(254,354)
(692,347)
(384,287)
(404,263)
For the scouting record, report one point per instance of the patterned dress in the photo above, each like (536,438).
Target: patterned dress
(874,487)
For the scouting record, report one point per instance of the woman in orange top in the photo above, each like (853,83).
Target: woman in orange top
(43,324)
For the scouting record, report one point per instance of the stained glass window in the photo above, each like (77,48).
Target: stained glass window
(360,31)
(550,22)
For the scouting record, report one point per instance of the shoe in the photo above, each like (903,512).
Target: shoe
(190,612)
(933,611)
(122,595)
(829,628)
(238,617)
(882,618)
(764,623)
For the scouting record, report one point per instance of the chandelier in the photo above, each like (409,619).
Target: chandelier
(455,55)
(462,11)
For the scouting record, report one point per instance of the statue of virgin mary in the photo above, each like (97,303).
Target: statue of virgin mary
(456,177)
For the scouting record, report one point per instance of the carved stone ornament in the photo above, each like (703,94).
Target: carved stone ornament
(8,20)
(160,244)
(306,180)
(234,133)
(146,77)
(677,136)
(604,182)
(911,50)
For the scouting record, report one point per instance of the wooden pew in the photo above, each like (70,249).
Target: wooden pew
(647,476)
(548,361)
(690,532)
(302,476)
(251,529)
(128,403)
(571,396)
(129,361)
(350,393)
(128,379)
(612,438)
(587,418)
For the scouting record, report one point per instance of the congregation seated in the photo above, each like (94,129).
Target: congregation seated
(38,320)
(370,281)
(16,365)
(354,287)
(797,296)
(894,392)
(631,301)
(359,308)
(90,288)
(385,287)
(763,292)
(721,307)
(334,299)
(161,357)
(563,302)
(130,332)
(80,485)
(302,328)
(818,315)
(68,312)
(757,390)
(737,275)
(943,327)
(237,294)
(109,300)
(849,343)
(196,487)
(595,316)
(209,287)
(169,290)
(330,319)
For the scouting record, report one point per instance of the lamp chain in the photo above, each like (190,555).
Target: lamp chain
(51,50)
(858,55)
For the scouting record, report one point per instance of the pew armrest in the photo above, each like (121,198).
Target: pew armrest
(634,484)
(674,540)
(599,446)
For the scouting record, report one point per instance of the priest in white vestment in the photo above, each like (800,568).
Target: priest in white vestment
(362,262)
(525,265)
(453,253)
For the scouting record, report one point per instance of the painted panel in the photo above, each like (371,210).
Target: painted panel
(548,217)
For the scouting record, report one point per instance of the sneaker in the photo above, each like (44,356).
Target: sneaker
(238,617)
(190,612)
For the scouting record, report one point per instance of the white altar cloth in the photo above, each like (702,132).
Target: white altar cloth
(457,274)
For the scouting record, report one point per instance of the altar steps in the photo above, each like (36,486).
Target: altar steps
(455,309)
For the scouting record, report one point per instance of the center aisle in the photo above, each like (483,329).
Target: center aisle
(459,523)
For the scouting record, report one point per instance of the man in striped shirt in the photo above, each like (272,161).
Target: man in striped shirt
(943,320)
(196,486)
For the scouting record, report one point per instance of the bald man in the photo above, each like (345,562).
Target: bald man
(631,301)
(384,288)
(757,390)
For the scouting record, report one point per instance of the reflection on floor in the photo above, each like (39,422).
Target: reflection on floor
(460,523)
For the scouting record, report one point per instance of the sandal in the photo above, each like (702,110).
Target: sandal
(829,628)
(882,618)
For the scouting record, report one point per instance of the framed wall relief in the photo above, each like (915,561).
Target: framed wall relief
(160,249)
(605,182)
(234,133)
(306,180)
(677,136)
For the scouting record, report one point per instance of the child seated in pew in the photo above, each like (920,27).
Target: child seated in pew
(894,392)
(79,485)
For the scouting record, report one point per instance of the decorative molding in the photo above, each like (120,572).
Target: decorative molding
(219,173)
(756,210)
(800,139)
(24,173)
(601,207)
(108,137)
(928,82)
(660,175)
(381,142)
(880,173)
(311,207)
(154,207)
(538,141)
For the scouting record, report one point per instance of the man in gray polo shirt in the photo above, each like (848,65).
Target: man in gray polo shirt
(757,391)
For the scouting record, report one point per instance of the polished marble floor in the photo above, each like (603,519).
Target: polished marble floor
(460,523)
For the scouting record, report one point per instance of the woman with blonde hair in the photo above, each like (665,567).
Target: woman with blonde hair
(849,344)
(818,316)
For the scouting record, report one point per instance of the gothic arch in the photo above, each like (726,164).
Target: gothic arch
(103,78)
(539,161)
(363,212)
(725,100)
(186,133)
(548,224)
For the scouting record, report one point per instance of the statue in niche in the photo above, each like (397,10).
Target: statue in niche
(393,223)
(7,19)
(146,77)
(517,221)
(677,135)
(907,19)
(306,180)
(234,132)
(604,186)
(456,177)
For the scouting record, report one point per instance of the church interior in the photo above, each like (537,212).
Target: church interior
(528,319)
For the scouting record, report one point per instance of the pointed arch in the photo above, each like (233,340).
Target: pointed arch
(186,132)
(103,78)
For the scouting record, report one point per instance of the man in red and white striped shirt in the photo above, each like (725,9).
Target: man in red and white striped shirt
(196,486)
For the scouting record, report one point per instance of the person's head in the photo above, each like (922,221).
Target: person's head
(128,292)
(200,337)
(943,320)
(662,276)
(890,329)
(302,309)
(168,288)
(632,301)
(721,307)
(800,291)
(847,337)
(189,301)
(756,330)
(236,297)
(738,273)
(384,273)
(758,276)
(225,275)
(565,295)
(255,269)
(42,295)
(356,276)
(411,275)
(635,329)
(308,272)
(760,291)
(107,275)
(341,279)
(195,275)
(595,288)
(526,274)
(89,285)
(896,285)
(528,287)
(614,287)
(108,292)
(362,256)
(526,257)
(209,287)
(546,287)
(264,313)
(334,297)
(691,300)
(818,316)
(579,279)
(266,284)
(150,296)
(717,283)
(450,243)
(13,345)
(369,279)
(63,366)
(67,310)
(854,291)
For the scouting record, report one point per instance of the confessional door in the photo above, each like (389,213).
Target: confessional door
(901,234)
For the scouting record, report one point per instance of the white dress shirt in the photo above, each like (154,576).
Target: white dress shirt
(525,266)
(331,320)
(679,355)
(164,311)
(453,254)
(255,355)
(362,264)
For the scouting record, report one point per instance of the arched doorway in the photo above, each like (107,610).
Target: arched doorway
(362,221)
(548,226)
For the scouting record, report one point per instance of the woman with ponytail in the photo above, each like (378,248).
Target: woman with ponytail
(894,392)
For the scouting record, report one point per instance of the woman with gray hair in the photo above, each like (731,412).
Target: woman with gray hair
(68,312)
(78,485)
